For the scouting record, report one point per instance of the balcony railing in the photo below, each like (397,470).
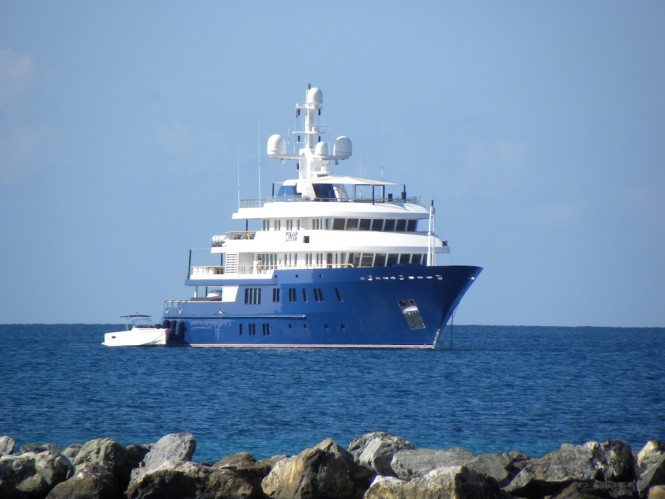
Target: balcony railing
(398,201)
(217,271)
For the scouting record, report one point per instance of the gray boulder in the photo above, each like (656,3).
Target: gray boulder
(7,444)
(136,453)
(609,461)
(650,454)
(174,447)
(408,464)
(594,490)
(178,479)
(90,480)
(616,460)
(447,481)
(501,467)
(654,475)
(246,467)
(71,450)
(37,448)
(101,469)
(32,474)
(102,450)
(323,471)
(376,450)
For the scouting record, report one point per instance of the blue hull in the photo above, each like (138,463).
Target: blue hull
(379,307)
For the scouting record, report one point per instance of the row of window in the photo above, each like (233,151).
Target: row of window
(387,225)
(253,295)
(265,328)
(377,224)
(267,261)
(251,329)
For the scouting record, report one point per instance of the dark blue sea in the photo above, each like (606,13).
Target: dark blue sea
(497,389)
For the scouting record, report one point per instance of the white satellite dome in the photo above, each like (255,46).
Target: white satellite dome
(276,145)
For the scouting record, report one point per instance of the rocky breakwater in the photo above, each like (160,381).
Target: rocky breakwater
(375,465)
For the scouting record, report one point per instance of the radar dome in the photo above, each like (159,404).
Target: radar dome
(342,148)
(276,145)
(321,149)
(315,96)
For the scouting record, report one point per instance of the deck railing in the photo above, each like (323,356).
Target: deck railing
(258,203)
(214,271)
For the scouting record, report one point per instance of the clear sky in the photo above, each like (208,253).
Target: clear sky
(538,128)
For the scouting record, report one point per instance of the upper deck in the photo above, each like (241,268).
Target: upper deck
(321,220)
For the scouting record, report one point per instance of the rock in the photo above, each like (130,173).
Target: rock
(612,460)
(654,475)
(71,450)
(136,453)
(501,467)
(173,447)
(650,454)
(375,451)
(91,480)
(408,464)
(101,450)
(111,460)
(245,466)
(32,474)
(37,448)
(616,460)
(323,471)
(594,490)
(7,444)
(447,481)
(657,492)
(176,479)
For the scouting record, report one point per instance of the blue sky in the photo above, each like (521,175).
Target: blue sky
(538,128)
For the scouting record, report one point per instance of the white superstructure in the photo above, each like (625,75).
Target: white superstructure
(320,220)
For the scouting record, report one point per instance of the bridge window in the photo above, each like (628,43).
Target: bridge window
(324,191)
(287,191)
(377,224)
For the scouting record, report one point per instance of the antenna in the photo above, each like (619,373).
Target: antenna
(381,149)
(360,166)
(258,145)
(430,234)
(238,167)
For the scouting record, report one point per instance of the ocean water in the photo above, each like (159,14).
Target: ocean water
(498,389)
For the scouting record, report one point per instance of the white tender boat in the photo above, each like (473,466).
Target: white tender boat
(139,332)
